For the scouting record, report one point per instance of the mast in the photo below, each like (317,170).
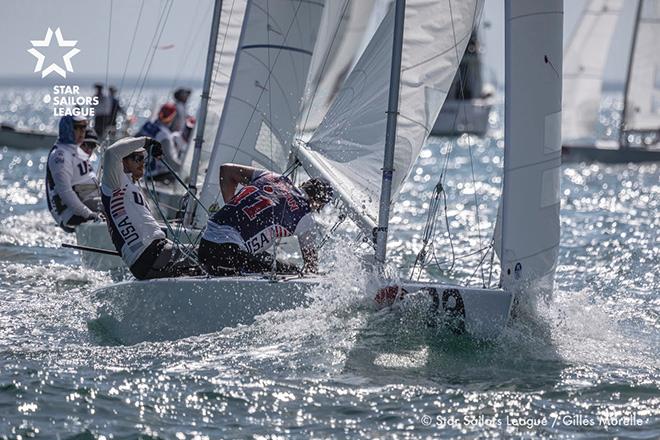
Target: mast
(203,108)
(390,134)
(623,139)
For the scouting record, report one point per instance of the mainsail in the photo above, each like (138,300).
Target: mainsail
(642,110)
(226,47)
(585,59)
(267,81)
(347,148)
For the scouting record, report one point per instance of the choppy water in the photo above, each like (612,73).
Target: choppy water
(585,365)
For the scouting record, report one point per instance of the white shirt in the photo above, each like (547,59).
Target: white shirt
(67,166)
(132,225)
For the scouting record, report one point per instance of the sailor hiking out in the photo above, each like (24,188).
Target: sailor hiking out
(134,231)
(269,206)
(71,184)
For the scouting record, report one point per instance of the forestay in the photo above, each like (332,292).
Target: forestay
(532,152)
(584,64)
(265,89)
(348,146)
(643,99)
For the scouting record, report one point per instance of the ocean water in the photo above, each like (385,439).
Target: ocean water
(582,364)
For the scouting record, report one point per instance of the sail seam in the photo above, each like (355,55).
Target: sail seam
(276,46)
(554,159)
(536,14)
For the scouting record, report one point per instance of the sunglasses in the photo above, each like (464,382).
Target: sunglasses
(138,158)
(79,127)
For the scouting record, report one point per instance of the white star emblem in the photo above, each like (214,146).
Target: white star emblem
(61,42)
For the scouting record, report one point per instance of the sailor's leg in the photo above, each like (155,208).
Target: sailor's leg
(218,259)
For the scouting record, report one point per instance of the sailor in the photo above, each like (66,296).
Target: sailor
(134,231)
(89,192)
(159,131)
(68,170)
(181,96)
(269,206)
(115,108)
(101,110)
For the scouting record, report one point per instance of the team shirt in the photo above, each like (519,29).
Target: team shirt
(132,226)
(68,166)
(270,207)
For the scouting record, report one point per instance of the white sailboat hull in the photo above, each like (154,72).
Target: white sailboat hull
(458,117)
(169,309)
(26,139)
(608,152)
(96,235)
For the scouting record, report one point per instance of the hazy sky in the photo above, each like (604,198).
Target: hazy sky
(182,45)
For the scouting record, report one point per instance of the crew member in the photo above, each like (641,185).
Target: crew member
(268,207)
(66,170)
(134,231)
(89,192)
(101,110)
(115,109)
(181,96)
(159,131)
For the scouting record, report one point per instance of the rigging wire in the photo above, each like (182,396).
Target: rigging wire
(158,33)
(267,84)
(107,57)
(429,231)
(130,49)
(469,136)
(191,36)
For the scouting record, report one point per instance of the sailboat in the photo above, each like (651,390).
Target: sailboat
(467,107)
(365,145)
(586,57)
(25,139)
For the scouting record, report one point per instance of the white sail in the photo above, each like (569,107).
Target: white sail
(643,100)
(229,32)
(532,152)
(348,146)
(339,44)
(584,64)
(266,85)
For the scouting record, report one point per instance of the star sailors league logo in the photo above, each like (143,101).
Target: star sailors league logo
(61,42)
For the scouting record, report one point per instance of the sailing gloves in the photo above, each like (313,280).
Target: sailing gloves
(154,148)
